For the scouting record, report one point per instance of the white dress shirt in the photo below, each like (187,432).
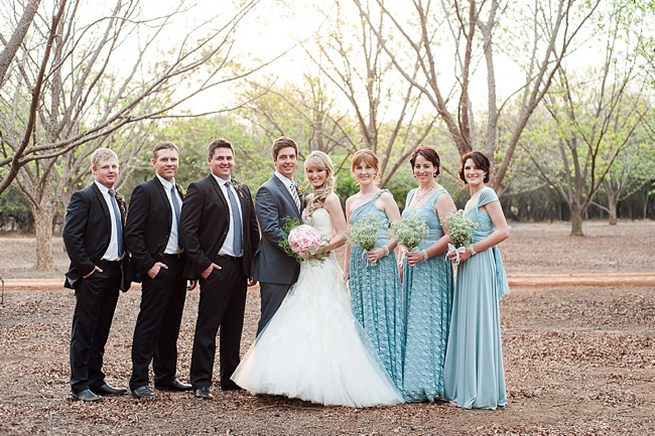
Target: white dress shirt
(112,250)
(228,245)
(172,246)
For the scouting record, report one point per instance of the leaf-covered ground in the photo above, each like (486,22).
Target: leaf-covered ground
(579,360)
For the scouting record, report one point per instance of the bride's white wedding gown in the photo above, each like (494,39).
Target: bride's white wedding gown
(313,348)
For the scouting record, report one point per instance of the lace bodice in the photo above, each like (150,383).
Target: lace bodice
(320,220)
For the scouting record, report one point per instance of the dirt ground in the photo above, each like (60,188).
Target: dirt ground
(579,360)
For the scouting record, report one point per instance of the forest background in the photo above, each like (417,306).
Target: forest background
(558,93)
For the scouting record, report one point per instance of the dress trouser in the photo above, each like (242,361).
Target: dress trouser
(96,297)
(158,324)
(272,295)
(222,304)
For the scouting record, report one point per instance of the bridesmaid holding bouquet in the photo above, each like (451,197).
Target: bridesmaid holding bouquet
(474,374)
(427,284)
(375,290)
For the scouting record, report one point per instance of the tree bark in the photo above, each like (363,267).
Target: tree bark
(576,221)
(43,216)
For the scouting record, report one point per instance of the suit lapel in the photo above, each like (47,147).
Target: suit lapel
(285,192)
(164,198)
(103,205)
(217,189)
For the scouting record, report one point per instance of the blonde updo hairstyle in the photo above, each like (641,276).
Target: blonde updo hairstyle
(369,158)
(318,159)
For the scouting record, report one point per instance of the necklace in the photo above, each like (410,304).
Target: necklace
(422,193)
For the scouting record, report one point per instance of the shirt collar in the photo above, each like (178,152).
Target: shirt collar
(103,189)
(287,182)
(167,185)
(219,180)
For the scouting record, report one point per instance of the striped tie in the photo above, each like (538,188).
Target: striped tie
(236,221)
(117,219)
(294,194)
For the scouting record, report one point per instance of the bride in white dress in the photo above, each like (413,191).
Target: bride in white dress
(313,348)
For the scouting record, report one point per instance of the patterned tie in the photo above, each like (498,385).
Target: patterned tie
(176,204)
(236,220)
(294,194)
(117,219)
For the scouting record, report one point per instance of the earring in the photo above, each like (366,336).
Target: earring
(434,175)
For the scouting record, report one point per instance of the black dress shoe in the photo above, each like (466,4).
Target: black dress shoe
(86,395)
(105,389)
(143,392)
(204,393)
(175,385)
(230,386)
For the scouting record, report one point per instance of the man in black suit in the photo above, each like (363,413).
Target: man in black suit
(158,260)
(93,235)
(277,199)
(219,235)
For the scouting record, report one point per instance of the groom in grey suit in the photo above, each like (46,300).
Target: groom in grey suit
(276,199)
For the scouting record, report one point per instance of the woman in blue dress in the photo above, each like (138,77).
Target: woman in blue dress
(375,290)
(474,375)
(427,284)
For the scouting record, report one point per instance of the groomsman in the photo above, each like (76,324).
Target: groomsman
(219,235)
(277,199)
(158,261)
(93,235)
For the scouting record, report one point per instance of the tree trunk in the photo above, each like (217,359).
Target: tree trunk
(611,206)
(576,221)
(43,225)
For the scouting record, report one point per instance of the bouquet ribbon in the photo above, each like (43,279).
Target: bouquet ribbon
(457,251)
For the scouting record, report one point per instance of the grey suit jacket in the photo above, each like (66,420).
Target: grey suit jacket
(273,203)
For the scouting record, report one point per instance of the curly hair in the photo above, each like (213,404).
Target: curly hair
(318,159)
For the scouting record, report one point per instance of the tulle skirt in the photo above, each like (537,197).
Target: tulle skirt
(315,350)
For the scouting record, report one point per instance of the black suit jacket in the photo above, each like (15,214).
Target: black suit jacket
(205,223)
(148,225)
(87,232)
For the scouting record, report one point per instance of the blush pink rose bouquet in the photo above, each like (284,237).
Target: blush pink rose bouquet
(305,241)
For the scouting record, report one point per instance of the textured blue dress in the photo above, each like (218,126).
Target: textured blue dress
(473,374)
(375,295)
(428,292)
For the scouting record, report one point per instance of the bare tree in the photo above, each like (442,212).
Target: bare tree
(596,115)
(93,77)
(79,78)
(386,110)
(12,45)
(468,32)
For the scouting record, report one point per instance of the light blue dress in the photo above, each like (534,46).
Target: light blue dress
(473,373)
(375,295)
(428,292)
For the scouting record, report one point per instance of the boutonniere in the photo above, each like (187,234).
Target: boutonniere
(302,192)
(121,204)
(238,186)
(180,189)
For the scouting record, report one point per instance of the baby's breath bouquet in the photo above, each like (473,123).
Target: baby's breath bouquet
(460,231)
(364,232)
(410,231)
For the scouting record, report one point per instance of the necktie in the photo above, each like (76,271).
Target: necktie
(294,194)
(117,219)
(176,204)
(236,220)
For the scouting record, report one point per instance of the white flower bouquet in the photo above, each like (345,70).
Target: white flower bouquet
(460,231)
(409,231)
(364,232)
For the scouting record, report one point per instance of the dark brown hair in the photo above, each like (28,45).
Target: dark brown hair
(218,143)
(280,143)
(430,155)
(480,161)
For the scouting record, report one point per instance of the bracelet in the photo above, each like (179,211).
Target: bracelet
(471,250)
(386,250)
(425,254)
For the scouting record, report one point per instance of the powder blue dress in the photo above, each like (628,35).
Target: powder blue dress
(473,374)
(375,294)
(428,292)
